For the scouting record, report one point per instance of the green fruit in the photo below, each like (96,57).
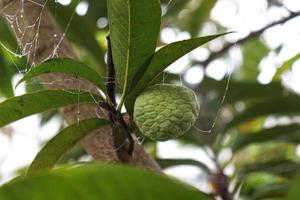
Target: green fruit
(165,111)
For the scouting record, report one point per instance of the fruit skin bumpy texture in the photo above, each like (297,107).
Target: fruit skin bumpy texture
(166,111)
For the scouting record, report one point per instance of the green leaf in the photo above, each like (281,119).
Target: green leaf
(74,154)
(19,107)
(94,182)
(160,61)
(269,191)
(6,88)
(286,66)
(253,52)
(294,192)
(61,143)
(288,133)
(66,66)
(260,185)
(165,163)
(134,28)
(281,105)
(6,36)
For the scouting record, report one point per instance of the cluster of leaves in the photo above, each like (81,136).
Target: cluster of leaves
(258,153)
(134,29)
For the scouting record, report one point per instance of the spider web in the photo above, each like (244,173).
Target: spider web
(27,47)
(13,21)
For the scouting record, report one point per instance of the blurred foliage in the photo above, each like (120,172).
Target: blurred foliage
(262,186)
(263,158)
(253,52)
(285,67)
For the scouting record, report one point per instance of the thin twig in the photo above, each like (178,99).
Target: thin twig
(252,35)
(114,115)
(110,82)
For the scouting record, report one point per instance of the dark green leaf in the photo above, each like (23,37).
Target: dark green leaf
(269,191)
(160,61)
(19,107)
(290,133)
(61,143)
(94,182)
(294,192)
(66,66)
(260,185)
(165,163)
(7,66)
(6,88)
(7,38)
(134,28)
(74,154)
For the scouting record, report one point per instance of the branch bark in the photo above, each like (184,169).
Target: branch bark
(251,36)
(39,36)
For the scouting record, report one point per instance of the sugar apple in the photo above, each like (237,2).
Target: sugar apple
(165,111)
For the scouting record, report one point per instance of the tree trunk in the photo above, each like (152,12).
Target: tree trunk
(40,38)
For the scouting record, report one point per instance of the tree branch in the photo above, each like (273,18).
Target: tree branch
(252,35)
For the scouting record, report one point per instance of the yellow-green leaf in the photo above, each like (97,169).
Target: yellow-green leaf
(61,143)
